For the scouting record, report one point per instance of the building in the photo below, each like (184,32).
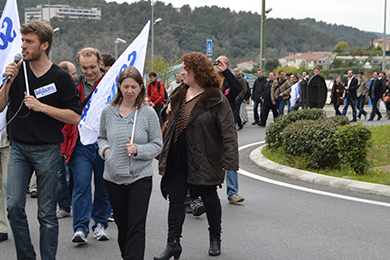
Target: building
(379,43)
(310,60)
(46,12)
(246,65)
(363,60)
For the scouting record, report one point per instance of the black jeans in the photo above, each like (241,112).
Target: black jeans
(266,112)
(237,118)
(130,205)
(176,213)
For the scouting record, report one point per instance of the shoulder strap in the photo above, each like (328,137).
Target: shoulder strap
(84,103)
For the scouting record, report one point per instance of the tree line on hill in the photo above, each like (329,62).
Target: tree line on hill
(234,34)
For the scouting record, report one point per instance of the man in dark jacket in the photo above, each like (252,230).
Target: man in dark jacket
(350,87)
(231,87)
(258,87)
(375,93)
(239,99)
(267,101)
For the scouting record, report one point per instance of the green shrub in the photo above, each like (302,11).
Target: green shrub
(353,143)
(275,130)
(313,140)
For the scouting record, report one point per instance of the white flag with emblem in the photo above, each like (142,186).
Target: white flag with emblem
(105,92)
(10,41)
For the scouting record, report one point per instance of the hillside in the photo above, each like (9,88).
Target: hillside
(236,35)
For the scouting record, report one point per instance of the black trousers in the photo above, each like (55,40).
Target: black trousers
(176,213)
(130,205)
(266,112)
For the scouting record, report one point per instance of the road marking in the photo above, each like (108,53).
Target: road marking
(295,187)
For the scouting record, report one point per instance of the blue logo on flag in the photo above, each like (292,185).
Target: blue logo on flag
(9,35)
(209,51)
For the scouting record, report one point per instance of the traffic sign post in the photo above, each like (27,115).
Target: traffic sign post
(209,48)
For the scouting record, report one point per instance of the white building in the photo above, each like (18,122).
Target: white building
(311,60)
(246,65)
(46,12)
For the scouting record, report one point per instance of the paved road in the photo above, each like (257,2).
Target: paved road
(275,222)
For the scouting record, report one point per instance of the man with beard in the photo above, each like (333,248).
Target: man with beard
(47,100)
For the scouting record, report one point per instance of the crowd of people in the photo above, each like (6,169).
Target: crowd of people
(195,142)
(45,101)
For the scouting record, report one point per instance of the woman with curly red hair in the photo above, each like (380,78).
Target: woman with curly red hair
(201,142)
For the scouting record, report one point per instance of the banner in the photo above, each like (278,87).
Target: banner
(10,41)
(105,92)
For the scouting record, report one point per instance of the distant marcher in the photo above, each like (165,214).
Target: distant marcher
(386,94)
(156,93)
(350,87)
(243,111)
(336,95)
(280,92)
(69,67)
(375,93)
(174,84)
(239,99)
(266,98)
(294,92)
(362,93)
(256,95)
(202,126)
(129,139)
(107,61)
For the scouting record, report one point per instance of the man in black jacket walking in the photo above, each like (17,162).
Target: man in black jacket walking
(350,87)
(258,87)
(375,93)
(267,101)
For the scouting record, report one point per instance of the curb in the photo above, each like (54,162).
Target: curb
(342,184)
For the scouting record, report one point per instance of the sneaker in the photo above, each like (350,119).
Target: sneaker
(79,238)
(62,214)
(187,208)
(235,198)
(100,233)
(111,218)
(197,207)
(33,194)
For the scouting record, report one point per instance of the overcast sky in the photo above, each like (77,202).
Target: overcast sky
(362,14)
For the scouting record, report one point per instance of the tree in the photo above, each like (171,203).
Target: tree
(341,47)
(270,65)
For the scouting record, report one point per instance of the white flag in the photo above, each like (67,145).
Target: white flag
(10,41)
(105,92)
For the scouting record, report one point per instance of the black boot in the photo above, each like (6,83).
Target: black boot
(173,249)
(215,246)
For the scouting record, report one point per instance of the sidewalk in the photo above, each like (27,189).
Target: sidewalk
(338,183)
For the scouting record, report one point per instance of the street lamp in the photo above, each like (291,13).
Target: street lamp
(153,23)
(118,40)
(262,34)
(384,46)
(57,29)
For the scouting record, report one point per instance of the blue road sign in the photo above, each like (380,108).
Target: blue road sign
(209,47)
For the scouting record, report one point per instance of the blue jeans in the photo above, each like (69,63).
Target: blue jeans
(349,101)
(231,183)
(360,105)
(43,159)
(86,161)
(280,104)
(256,112)
(62,186)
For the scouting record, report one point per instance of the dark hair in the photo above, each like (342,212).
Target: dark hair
(288,74)
(334,81)
(272,73)
(384,72)
(88,52)
(133,73)
(203,69)
(295,76)
(280,72)
(307,73)
(108,59)
(316,68)
(361,73)
(152,74)
(42,30)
